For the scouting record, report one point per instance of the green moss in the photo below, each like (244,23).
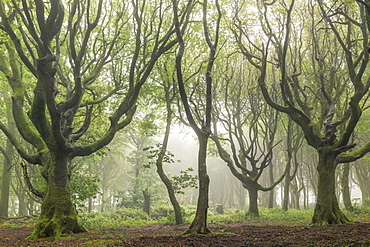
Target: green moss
(58,215)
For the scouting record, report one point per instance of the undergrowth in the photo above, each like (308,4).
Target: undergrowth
(128,217)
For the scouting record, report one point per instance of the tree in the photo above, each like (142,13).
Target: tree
(202,128)
(362,170)
(313,82)
(250,127)
(72,51)
(8,154)
(162,155)
(293,143)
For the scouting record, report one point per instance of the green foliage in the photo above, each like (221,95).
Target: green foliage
(131,198)
(147,127)
(277,216)
(84,185)
(115,219)
(229,215)
(161,211)
(179,182)
(358,214)
(153,155)
(184,181)
(17,223)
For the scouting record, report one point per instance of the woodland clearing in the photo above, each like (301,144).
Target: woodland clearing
(247,233)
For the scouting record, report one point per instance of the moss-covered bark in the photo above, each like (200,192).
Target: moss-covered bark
(58,212)
(253,201)
(58,215)
(327,209)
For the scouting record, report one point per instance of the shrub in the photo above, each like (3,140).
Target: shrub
(116,219)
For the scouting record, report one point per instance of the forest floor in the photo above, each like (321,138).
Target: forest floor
(14,233)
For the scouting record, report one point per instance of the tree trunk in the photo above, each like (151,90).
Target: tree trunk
(199,224)
(171,194)
(286,186)
(296,200)
(327,209)
(253,202)
(30,206)
(363,183)
(159,161)
(7,164)
(271,201)
(288,178)
(58,213)
(5,183)
(22,209)
(344,182)
(90,204)
(103,199)
(146,206)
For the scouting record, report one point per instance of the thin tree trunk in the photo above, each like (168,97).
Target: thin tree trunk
(103,198)
(363,183)
(344,182)
(286,186)
(171,194)
(22,205)
(7,163)
(199,224)
(146,206)
(271,201)
(5,181)
(90,205)
(159,162)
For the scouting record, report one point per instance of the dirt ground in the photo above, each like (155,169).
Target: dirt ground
(230,234)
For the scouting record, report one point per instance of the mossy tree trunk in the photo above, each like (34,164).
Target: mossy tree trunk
(253,201)
(58,212)
(327,209)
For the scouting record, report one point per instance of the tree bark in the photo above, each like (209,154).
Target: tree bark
(271,199)
(5,183)
(159,161)
(90,205)
(199,224)
(327,209)
(171,194)
(253,202)
(146,206)
(58,212)
(344,182)
(286,187)
(363,183)
(22,206)
(7,164)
